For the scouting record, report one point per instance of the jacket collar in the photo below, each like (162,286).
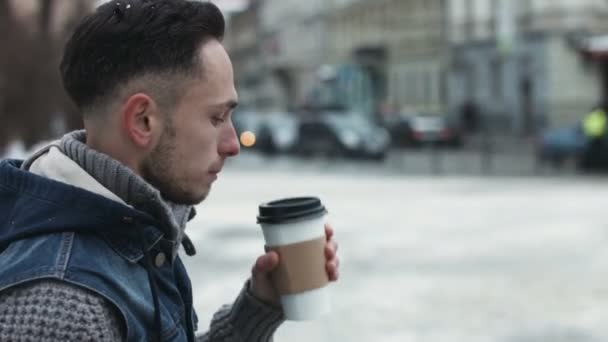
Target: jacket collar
(46,206)
(52,163)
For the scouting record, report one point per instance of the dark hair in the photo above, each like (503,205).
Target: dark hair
(125,39)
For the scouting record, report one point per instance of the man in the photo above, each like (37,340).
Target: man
(90,226)
(469,116)
(594,129)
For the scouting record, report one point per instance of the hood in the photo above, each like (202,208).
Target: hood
(32,205)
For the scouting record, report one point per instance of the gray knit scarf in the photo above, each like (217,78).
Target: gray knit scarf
(130,187)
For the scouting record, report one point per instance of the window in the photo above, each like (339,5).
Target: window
(496,67)
(494,17)
(469,22)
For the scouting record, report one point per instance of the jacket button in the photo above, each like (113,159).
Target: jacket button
(160,259)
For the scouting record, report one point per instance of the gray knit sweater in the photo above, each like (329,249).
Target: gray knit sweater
(51,310)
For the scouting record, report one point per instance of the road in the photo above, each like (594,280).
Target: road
(448,258)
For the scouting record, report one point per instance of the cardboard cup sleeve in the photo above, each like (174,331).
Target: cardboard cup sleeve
(301,267)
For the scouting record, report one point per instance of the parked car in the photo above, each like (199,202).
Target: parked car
(279,132)
(274,132)
(562,145)
(419,129)
(342,133)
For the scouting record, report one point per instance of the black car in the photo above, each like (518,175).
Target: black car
(420,129)
(274,132)
(342,134)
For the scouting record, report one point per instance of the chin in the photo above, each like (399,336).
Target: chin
(198,197)
(187,197)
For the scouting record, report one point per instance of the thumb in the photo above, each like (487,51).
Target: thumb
(261,284)
(266,263)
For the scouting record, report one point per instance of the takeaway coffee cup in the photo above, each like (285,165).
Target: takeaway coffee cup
(294,227)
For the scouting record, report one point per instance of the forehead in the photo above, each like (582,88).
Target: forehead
(217,75)
(215,61)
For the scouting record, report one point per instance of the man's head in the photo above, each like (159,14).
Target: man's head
(156,90)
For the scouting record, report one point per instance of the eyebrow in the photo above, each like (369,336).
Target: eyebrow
(230,104)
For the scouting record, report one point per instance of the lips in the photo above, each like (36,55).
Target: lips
(212,176)
(214,172)
(216,169)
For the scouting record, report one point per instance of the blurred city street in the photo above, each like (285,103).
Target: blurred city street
(424,258)
(460,146)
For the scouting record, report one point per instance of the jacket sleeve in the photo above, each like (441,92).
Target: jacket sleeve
(51,310)
(247,320)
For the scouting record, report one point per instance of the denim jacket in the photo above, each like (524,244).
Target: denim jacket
(53,230)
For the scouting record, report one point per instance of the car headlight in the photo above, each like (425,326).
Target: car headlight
(377,140)
(349,138)
(285,138)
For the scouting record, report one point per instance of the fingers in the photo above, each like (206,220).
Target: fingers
(329,231)
(266,263)
(261,285)
(331,249)
(333,269)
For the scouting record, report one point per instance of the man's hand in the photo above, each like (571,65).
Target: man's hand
(261,286)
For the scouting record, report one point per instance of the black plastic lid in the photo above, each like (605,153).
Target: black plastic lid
(290,209)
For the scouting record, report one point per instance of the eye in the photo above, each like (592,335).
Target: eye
(217,120)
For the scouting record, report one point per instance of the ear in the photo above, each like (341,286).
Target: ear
(141,120)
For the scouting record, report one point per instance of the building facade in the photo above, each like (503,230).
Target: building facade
(518,60)
(400,41)
(294,46)
(242,42)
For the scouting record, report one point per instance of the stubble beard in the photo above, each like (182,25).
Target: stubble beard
(159,167)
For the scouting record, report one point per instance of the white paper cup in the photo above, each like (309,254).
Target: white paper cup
(298,222)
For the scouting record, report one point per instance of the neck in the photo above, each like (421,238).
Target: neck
(123,182)
(112,145)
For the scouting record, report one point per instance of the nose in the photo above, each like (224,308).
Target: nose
(229,145)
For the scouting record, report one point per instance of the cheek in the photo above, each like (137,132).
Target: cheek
(196,145)
(192,138)
(196,155)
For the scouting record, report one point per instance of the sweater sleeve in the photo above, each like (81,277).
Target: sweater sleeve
(247,320)
(52,311)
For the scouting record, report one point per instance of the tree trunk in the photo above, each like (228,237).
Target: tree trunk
(6,13)
(46,13)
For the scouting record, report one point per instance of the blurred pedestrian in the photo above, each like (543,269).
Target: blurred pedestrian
(595,154)
(90,226)
(469,116)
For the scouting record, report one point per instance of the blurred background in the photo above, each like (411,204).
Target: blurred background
(459,145)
